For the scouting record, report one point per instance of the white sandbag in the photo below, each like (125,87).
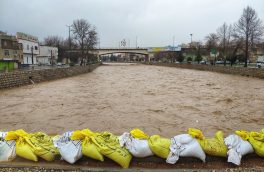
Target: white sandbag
(237,147)
(7,148)
(137,147)
(70,150)
(184,145)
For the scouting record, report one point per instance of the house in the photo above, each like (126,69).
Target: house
(47,55)
(30,46)
(11,54)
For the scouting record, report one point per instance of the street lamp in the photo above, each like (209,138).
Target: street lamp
(136,41)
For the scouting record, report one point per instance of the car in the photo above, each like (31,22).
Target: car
(220,62)
(59,64)
(260,64)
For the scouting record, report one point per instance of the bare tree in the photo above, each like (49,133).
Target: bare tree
(57,41)
(90,43)
(249,27)
(82,31)
(53,41)
(224,34)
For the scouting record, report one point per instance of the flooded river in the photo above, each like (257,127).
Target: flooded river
(119,97)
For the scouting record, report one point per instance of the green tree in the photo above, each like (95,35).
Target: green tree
(180,58)
(189,59)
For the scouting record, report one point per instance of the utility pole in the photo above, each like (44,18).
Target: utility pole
(191,37)
(32,55)
(136,41)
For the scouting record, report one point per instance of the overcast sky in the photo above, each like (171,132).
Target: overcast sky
(153,22)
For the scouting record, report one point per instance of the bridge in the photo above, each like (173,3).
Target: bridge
(104,51)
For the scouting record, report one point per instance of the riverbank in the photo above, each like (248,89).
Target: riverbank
(20,78)
(249,72)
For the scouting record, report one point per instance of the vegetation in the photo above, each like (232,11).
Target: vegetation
(86,38)
(250,29)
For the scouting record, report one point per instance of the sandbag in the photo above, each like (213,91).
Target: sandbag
(138,134)
(109,146)
(43,146)
(237,147)
(256,139)
(211,146)
(137,147)
(184,145)
(159,146)
(24,146)
(31,145)
(70,150)
(89,149)
(7,148)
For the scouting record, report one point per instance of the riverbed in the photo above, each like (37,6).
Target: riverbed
(118,97)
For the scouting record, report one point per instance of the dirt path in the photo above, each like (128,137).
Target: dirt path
(117,98)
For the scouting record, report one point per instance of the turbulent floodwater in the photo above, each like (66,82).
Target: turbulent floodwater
(119,97)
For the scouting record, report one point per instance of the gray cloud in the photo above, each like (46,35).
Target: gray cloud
(154,22)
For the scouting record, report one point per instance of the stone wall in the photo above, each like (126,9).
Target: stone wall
(251,72)
(19,78)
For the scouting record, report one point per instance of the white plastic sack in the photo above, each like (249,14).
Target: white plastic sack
(70,150)
(137,147)
(7,148)
(237,147)
(184,145)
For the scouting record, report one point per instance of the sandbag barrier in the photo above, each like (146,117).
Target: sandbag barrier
(72,145)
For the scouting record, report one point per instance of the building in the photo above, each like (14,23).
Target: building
(11,54)
(47,55)
(30,47)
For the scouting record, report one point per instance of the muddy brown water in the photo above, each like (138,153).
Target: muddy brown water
(120,97)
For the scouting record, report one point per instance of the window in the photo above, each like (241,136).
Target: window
(36,47)
(15,52)
(6,53)
(5,43)
(27,47)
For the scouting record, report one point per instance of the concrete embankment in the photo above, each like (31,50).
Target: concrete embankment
(20,78)
(250,72)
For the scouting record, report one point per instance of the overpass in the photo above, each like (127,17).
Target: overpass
(104,51)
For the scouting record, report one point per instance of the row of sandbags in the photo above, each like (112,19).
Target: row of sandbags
(71,146)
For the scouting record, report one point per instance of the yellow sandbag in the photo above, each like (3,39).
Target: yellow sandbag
(89,149)
(24,147)
(211,146)
(243,134)
(159,146)
(43,146)
(137,133)
(109,146)
(256,139)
